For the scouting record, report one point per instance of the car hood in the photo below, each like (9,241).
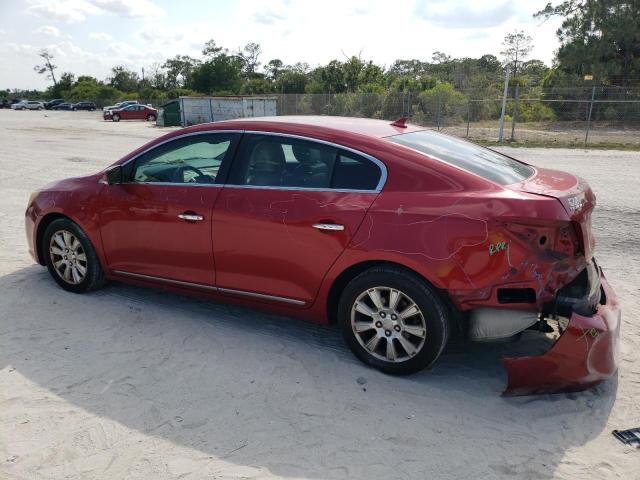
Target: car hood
(71,184)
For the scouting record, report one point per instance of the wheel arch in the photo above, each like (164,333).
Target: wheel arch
(349,273)
(47,220)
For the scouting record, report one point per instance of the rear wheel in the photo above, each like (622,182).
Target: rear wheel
(71,258)
(151,118)
(74,109)
(393,320)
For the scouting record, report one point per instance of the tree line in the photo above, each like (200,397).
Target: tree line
(599,38)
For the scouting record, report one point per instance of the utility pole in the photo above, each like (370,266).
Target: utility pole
(504,103)
(593,96)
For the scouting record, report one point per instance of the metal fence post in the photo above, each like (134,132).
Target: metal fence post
(504,104)
(586,135)
(409,104)
(468,116)
(514,113)
(439,108)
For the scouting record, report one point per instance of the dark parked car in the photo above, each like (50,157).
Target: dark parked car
(63,106)
(84,106)
(52,103)
(401,235)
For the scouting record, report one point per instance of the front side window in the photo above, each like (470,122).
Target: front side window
(486,163)
(275,161)
(193,159)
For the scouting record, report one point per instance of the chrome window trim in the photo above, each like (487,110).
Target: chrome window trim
(177,137)
(380,165)
(378,189)
(211,288)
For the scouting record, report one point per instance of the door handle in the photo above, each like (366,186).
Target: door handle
(328,226)
(191,217)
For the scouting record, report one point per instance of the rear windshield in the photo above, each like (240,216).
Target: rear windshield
(468,156)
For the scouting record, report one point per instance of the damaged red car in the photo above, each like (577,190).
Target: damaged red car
(403,236)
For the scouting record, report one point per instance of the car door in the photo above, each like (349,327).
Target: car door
(286,213)
(139,112)
(157,223)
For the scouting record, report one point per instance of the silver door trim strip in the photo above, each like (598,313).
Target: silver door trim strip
(166,280)
(244,293)
(263,296)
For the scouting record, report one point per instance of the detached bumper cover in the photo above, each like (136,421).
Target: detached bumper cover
(585,354)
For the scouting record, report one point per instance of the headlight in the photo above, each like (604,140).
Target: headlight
(33,196)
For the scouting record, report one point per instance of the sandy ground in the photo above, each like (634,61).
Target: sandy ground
(133,383)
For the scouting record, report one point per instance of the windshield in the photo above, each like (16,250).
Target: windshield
(473,158)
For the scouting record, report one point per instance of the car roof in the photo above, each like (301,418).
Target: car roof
(301,123)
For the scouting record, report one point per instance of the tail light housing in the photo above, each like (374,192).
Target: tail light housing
(563,239)
(568,240)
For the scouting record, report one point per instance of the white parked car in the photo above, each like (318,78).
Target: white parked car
(28,105)
(120,105)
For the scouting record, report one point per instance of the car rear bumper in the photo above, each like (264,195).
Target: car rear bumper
(585,354)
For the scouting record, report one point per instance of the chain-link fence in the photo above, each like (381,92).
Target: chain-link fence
(594,116)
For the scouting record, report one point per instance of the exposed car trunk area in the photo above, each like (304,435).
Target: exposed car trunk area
(573,193)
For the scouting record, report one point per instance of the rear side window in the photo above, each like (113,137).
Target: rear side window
(475,159)
(355,173)
(289,162)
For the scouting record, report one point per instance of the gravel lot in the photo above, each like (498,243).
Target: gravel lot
(133,383)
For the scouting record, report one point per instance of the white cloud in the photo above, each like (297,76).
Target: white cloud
(48,30)
(69,11)
(130,8)
(72,11)
(100,36)
(268,17)
(458,14)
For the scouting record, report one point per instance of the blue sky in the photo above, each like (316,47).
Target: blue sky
(90,36)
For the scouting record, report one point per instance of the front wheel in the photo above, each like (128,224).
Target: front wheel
(115,118)
(393,320)
(70,257)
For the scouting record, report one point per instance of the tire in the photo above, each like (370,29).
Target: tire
(151,118)
(39,108)
(78,247)
(115,118)
(417,340)
(74,109)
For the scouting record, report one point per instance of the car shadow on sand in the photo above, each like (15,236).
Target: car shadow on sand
(267,394)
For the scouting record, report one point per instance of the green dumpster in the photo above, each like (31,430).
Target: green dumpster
(169,114)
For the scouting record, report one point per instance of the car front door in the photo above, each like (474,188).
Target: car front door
(128,113)
(288,210)
(157,223)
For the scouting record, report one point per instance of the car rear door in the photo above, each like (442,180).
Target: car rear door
(288,210)
(157,224)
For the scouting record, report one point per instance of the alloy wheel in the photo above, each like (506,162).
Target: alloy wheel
(388,324)
(68,257)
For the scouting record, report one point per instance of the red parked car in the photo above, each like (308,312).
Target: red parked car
(403,236)
(131,112)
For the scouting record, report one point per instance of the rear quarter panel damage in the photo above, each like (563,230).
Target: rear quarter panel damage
(465,243)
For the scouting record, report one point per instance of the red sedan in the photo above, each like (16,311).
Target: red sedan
(403,236)
(131,112)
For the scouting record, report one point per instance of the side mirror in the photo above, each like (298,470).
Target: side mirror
(114,175)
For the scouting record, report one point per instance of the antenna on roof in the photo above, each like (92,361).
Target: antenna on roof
(400,123)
